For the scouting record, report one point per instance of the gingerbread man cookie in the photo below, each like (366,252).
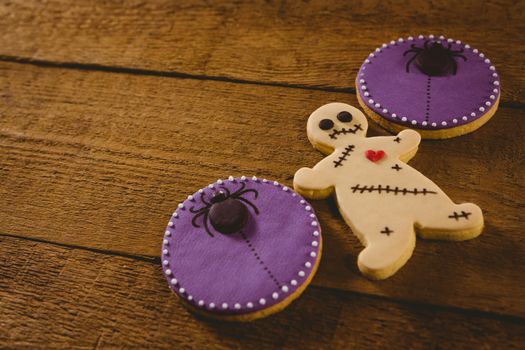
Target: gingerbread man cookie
(379,196)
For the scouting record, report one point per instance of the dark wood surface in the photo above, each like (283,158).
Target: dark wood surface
(85,299)
(111,113)
(301,43)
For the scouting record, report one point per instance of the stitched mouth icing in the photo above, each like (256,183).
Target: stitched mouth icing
(345,131)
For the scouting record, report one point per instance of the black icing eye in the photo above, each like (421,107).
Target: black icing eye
(326,124)
(344,117)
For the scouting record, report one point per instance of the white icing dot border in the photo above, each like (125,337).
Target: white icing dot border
(404,120)
(309,263)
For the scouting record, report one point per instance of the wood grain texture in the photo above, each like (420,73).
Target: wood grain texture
(59,298)
(100,160)
(310,43)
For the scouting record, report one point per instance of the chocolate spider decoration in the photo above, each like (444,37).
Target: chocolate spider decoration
(226,211)
(435,60)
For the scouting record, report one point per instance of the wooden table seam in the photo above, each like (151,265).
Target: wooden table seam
(406,302)
(182,75)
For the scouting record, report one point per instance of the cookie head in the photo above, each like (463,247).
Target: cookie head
(334,125)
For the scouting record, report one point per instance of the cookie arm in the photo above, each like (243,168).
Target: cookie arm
(313,183)
(405,144)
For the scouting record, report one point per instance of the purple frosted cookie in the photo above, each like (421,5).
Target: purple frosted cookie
(241,248)
(438,86)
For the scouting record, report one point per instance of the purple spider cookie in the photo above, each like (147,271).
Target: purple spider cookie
(241,248)
(439,86)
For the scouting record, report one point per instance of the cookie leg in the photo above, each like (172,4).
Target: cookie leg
(388,247)
(455,222)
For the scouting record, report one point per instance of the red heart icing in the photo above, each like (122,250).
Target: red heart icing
(374,156)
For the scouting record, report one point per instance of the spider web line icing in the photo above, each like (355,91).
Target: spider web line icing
(259,259)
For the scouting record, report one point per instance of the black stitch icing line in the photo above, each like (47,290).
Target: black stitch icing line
(387,231)
(343,156)
(259,259)
(345,131)
(458,216)
(387,189)
(396,167)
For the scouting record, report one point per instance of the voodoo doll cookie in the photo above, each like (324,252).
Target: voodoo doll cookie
(379,196)
(241,248)
(439,86)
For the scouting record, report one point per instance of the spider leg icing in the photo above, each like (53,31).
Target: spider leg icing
(205,221)
(206,213)
(454,65)
(227,191)
(456,54)
(410,61)
(236,193)
(204,200)
(246,191)
(193,221)
(413,49)
(192,209)
(458,51)
(250,204)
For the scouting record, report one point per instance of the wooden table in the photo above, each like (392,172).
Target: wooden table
(112,112)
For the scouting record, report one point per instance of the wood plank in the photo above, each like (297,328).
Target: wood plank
(315,43)
(62,298)
(101,160)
